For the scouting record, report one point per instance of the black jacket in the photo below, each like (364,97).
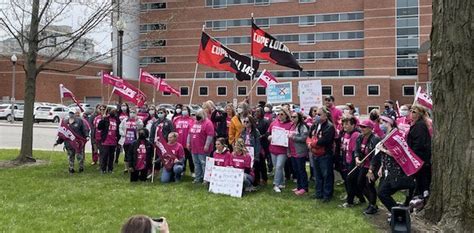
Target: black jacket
(262,126)
(419,140)
(133,154)
(220,118)
(167,129)
(327,132)
(371,143)
(104,128)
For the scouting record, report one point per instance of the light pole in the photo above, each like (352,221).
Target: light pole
(13,59)
(120,27)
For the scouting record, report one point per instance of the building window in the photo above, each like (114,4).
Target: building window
(306,1)
(408,90)
(261,91)
(262,2)
(241,91)
(152,27)
(222,91)
(351,73)
(152,6)
(348,90)
(159,75)
(373,90)
(326,90)
(203,91)
(307,20)
(184,91)
(152,60)
(372,107)
(166,93)
(152,44)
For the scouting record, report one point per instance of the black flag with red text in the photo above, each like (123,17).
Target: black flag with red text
(266,47)
(212,53)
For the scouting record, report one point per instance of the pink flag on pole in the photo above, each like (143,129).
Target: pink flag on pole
(158,83)
(130,93)
(165,87)
(148,78)
(405,157)
(74,140)
(266,78)
(424,99)
(67,93)
(110,79)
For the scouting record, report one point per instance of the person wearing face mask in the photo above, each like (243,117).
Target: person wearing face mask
(177,111)
(128,134)
(199,141)
(78,127)
(403,121)
(389,111)
(151,118)
(298,151)
(374,116)
(160,129)
(109,140)
(123,113)
(268,112)
(95,133)
(182,124)
(221,120)
(236,125)
(266,157)
(141,156)
(251,136)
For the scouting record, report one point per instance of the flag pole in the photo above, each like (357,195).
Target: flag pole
(416,95)
(139,79)
(251,61)
(154,94)
(195,72)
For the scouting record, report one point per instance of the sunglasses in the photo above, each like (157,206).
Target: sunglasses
(319,114)
(281,114)
(362,127)
(413,111)
(294,117)
(161,113)
(246,121)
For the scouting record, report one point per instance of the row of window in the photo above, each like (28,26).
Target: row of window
(302,20)
(313,56)
(152,6)
(407,37)
(152,27)
(225,3)
(347,90)
(152,44)
(295,74)
(307,38)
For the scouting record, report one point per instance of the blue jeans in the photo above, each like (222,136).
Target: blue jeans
(176,172)
(279,167)
(323,170)
(248,180)
(199,161)
(299,167)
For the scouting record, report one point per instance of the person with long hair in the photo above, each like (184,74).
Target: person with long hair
(123,112)
(279,153)
(236,126)
(151,117)
(222,119)
(222,156)
(182,124)
(140,156)
(109,140)
(322,136)
(251,137)
(128,134)
(298,151)
(309,122)
(95,133)
(178,111)
(265,156)
(145,224)
(241,159)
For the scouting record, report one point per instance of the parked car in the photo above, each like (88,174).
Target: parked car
(6,111)
(277,108)
(87,107)
(51,113)
(194,109)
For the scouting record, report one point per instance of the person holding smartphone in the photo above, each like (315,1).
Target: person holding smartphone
(145,224)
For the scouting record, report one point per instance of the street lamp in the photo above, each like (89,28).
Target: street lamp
(14,59)
(120,27)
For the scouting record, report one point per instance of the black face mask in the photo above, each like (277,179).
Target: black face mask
(387,107)
(141,136)
(198,118)
(373,117)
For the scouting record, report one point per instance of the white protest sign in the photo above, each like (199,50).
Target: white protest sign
(310,93)
(279,93)
(251,151)
(209,169)
(279,137)
(227,180)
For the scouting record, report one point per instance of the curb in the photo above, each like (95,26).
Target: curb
(34,125)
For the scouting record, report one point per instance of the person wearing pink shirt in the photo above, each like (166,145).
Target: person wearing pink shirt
(123,113)
(109,140)
(199,141)
(336,114)
(374,116)
(128,134)
(268,112)
(182,124)
(222,156)
(172,159)
(141,156)
(279,153)
(95,133)
(241,159)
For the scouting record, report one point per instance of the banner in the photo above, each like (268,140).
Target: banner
(68,135)
(310,93)
(110,79)
(424,99)
(405,157)
(279,93)
(227,180)
(266,47)
(158,83)
(165,87)
(147,78)
(279,137)
(266,78)
(210,164)
(67,93)
(130,93)
(212,53)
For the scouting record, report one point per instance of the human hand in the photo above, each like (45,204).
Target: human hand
(358,162)
(370,176)
(379,173)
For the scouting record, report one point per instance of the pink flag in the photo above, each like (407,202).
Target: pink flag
(266,78)
(110,79)
(405,157)
(67,93)
(146,77)
(130,93)
(424,99)
(165,87)
(74,140)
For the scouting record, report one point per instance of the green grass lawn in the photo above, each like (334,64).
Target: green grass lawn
(47,199)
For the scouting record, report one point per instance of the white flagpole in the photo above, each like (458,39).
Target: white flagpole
(139,79)
(416,95)
(251,62)
(195,72)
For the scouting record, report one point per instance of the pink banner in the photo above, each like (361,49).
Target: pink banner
(110,79)
(130,93)
(146,77)
(266,78)
(75,141)
(165,87)
(424,99)
(67,93)
(405,157)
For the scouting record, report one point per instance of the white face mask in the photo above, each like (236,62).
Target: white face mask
(133,115)
(124,108)
(178,110)
(404,112)
(152,112)
(347,111)
(240,110)
(266,109)
(185,113)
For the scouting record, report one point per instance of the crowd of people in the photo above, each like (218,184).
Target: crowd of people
(329,139)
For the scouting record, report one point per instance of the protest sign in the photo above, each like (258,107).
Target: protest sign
(279,93)
(209,167)
(310,94)
(227,180)
(279,137)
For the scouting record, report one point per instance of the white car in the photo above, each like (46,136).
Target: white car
(51,113)
(6,111)
(87,107)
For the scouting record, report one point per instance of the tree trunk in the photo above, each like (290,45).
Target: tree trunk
(26,151)
(452,51)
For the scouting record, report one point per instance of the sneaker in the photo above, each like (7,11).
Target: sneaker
(281,186)
(193,175)
(295,181)
(93,163)
(371,210)
(81,170)
(125,171)
(295,189)
(276,189)
(346,205)
(343,197)
(300,192)
(71,170)
(148,177)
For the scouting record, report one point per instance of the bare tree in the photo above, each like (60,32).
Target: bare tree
(28,24)
(452,50)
